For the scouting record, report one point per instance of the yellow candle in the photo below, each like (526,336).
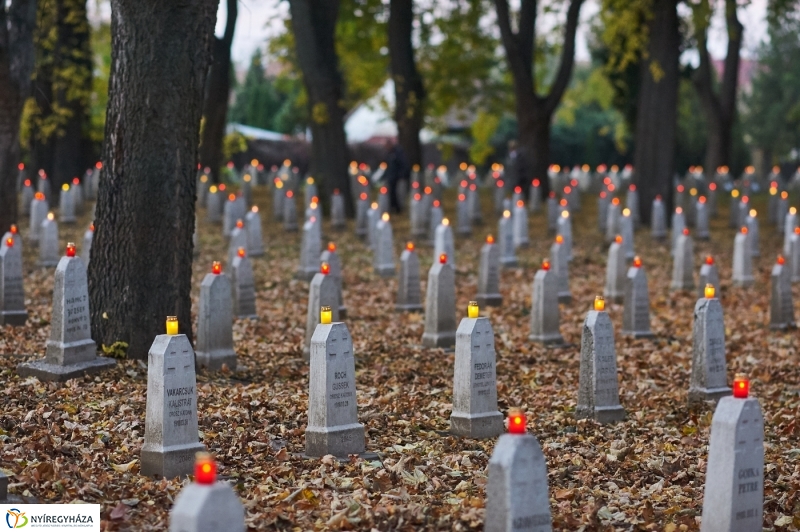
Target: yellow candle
(709,291)
(472,309)
(172,325)
(325,315)
(599,303)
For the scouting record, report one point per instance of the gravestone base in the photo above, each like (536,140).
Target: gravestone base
(508,263)
(638,334)
(45,371)
(565,298)
(340,441)
(385,272)
(306,274)
(170,462)
(214,360)
(601,414)
(489,300)
(744,283)
(781,326)
(13,317)
(551,340)
(478,426)
(47,263)
(443,339)
(701,395)
(342,312)
(405,308)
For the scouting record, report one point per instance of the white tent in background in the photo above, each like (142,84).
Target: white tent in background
(374,119)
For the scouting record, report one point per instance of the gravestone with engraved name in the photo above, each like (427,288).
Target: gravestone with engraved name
(12,292)
(520,225)
(39,209)
(658,219)
(616,272)
(560,265)
(170,428)
(709,379)
(71,352)
(440,306)
(244,289)
(475,413)
(289,212)
(505,235)
(383,257)
(489,276)
(333,426)
(734,489)
(331,257)
(309,251)
(683,263)
(545,314)
(708,275)
(48,243)
(443,243)
(636,311)
(781,305)
(598,393)
(409,296)
(742,260)
(338,220)
(321,293)
(215,323)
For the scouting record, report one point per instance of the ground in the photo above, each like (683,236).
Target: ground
(80,441)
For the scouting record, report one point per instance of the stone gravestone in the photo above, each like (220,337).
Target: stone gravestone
(598,393)
(435,218)
(708,276)
(751,222)
(636,311)
(560,265)
(207,505)
(632,204)
(475,413)
(440,305)
(416,218)
(170,427)
(789,225)
(552,213)
(520,218)
(626,232)
(545,316)
(214,205)
(489,275)
(409,297)
(658,219)
(564,230)
(88,238)
(278,194)
(373,215)
(289,212)
(733,210)
(742,260)
(474,205)
(12,292)
(362,206)
(244,289)
(505,232)
(517,496)
(683,263)
(781,306)
(27,198)
(309,251)
(701,219)
(602,211)
(229,215)
(237,240)
(734,490)
(383,258)
(255,242)
(464,220)
(48,242)
(338,220)
(535,197)
(678,225)
(321,293)
(66,205)
(615,272)
(443,243)
(794,255)
(335,271)
(247,190)
(612,220)
(71,352)
(709,375)
(333,426)
(38,215)
(310,190)
(215,322)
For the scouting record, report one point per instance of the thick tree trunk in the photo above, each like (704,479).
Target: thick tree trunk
(314,27)
(140,270)
(533,159)
(656,122)
(408,88)
(17,21)
(218,89)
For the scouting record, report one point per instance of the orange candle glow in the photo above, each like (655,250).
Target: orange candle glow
(709,291)
(546,265)
(325,268)
(241,252)
(443,258)
(172,325)
(599,303)
(216,267)
(70,249)
(205,469)
(516,421)
(637,262)
(410,246)
(741,386)
(489,239)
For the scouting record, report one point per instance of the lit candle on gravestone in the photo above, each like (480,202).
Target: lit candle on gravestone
(599,303)
(734,193)
(709,291)
(443,258)
(520,203)
(611,187)
(363,196)
(678,210)
(792,210)
(603,194)
(27,182)
(212,189)
(254,209)
(658,197)
(535,183)
(563,202)
(14,229)
(461,197)
(205,469)
(500,183)
(546,265)
(744,230)
(278,183)
(65,187)
(417,196)
(506,214)
(246,178)
(231,197)
(445,221)
(287,162)
(797,230)
(517,190)
(172,325)
(325,315)
(21,166)
(552,195)
(385,217)
(632,188)
(51,216)
(686,231)
(626,212)
(489,239)
(618,239)
(222,187)
(203,178)
(384,190)
(709,260)
(410,246)
(38,196)
(239,224)
(753,213)
(76,181)
(745,199)
(289,194)
(781,260)
(427,190)
(473,187)
(331,247)
(10,242)
(741,386)
(559,239)
(567,190)
(701,199)
(516,421)
(637,262)
(70,249)
(463,183)
(325,268)
(712,186)
(615,201)
(241,252)
(693,191)
(773,190)
(374,205)
(680,188)
(216,267)
(472,309)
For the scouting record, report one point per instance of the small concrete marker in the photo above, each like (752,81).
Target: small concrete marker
(505,233)
(289,212)
(658,220)
(751,221)
(701,219)
(12,280)
(39,213)
(709,379)
(742,260)
(734,491)
(443,243)
(678,225)
(545,314)
(517,496)
(71,352)
(489,275)
(335,271)
(564,229)
(338,219)
(781,305)
(636,310)
(333,426)
(383,257)
(626,231)
(440,306)
(598,393)
(616,272)
(321,293)
(66,205)
(708,276)
(683,263)
(560,265)
(310,247)
(215,322)
(170,427)
(520,225)
(48,242)
(475,413)
(88,238)
(255,241)
(612,220)
(214,205)
(409,295)
(244,290)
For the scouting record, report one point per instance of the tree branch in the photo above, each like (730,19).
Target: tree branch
(567,58)
(230,23)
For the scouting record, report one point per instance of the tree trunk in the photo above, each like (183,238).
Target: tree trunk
(408,88)
(17,22)
(533,159)
(215,109)
(141,266)
(656,121)
(314,27)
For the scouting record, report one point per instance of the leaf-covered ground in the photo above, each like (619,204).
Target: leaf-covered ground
(80,441)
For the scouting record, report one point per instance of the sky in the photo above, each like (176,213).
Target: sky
(260,19)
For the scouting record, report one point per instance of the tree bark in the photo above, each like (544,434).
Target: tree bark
(656,120)
(535,112)
(218,89)
(408,88)
(314,28)
(17,21)
(140,270)
(719,109)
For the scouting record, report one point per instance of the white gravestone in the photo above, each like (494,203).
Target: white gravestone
(474,205)
(333,426)
(505,234)
(170,427)
(701,222)
(632,203)
(733,210)
(215,323)
(552,213)
(560,265)
(794,256)
(211,507)
(520,218)
(310,190)
(615,272)
(214,205)
(362,207)
(598,393)
(244,289)
(38,215)
(66,205)
(709,379)
(658,220)
(255,241)
(602,212)
(338,219)
(229,215)
(678,225)
(417,219)
(545,314)
(742,260)
(789,226)
(443,243)
(440,306)
(373,215)
(27,198)
(751,222)
(48,242)
(278,194)
(12,292)
(464,221)
(534,197)
(309,251)
(489,276)
(289,212)
(409,296)
(237,240)
(475,413)
(636,311)
(781,306)
(335,271)
(683,263)
(564,230)
(708,275)
(88,238)
(612,220)
(321,293)
(383,258)
(626,231)
(71,352)
(435,218)
(734,491)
